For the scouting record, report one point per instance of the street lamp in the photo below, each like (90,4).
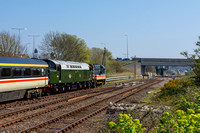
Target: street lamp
(34,36)
(127,44)
(19,29)
(104,54)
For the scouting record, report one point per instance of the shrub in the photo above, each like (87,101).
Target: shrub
(183,121)
(174,87)
(125,124)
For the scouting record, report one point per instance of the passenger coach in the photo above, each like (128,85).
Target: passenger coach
(21,77)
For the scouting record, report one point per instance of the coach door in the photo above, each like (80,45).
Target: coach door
(59,70)
(44,74)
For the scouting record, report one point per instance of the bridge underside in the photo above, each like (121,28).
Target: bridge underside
(161,64)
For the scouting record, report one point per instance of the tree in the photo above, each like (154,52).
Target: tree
(97,56)
(9,45)
(112,66)
(64,47)
(195,58)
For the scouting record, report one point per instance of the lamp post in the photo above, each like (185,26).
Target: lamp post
(135,67)
(127,44)
(34,36)
(27,45)
(19,29)
(104,54)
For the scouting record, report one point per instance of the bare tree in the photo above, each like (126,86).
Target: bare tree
(9,45)
(194,61)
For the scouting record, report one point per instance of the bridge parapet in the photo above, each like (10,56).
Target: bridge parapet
(164,62)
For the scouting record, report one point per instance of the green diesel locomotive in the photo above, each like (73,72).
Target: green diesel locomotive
(67,75)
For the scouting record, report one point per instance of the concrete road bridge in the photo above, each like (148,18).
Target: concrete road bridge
(161,64)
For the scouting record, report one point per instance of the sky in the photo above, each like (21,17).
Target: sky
(155,28)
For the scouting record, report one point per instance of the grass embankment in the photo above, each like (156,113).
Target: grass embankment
(116,68)
(183,98)
(120,74)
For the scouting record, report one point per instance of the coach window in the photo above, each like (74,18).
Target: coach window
(6,72)
(27,72)
(36,72)
(17,72)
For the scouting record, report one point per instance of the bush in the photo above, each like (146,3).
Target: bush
(125,124)
(186,118)
(183,121)
(174,87)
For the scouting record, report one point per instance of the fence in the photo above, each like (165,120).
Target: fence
(118,78)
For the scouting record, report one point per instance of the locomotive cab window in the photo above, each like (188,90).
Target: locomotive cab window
(5,72)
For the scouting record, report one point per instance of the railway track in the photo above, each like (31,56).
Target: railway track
(65,102)
(68,120)
(61,99)
(43,99)
(126,95)
(39,99)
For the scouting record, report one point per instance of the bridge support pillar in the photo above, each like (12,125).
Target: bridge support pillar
(160,70)
(143,70)
(157,71)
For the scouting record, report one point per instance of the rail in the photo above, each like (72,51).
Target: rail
(70,113)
